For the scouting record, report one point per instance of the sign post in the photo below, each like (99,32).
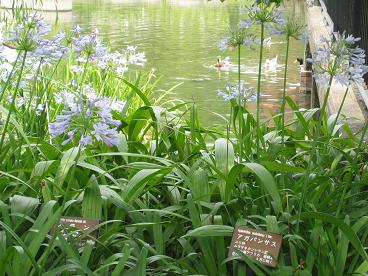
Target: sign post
(78,226)
(262,246)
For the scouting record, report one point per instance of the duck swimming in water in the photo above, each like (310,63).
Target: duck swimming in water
(301,63)
(8,52)
(271,64)
(267,42)
(225,63)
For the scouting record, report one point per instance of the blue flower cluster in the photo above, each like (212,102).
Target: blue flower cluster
(261,12)
(339,58)
(86,118)
(232,92)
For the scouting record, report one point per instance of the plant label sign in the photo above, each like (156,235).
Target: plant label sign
(260,245)
(74,227)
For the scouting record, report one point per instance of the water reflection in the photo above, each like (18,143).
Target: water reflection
(180,38)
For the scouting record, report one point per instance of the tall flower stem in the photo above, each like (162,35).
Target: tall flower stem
(259,88)
(12,105)
(303,195)
(9,76)
(284,92)
(364,131)
(339,111)
(71,178)
(240,138)
(325,99)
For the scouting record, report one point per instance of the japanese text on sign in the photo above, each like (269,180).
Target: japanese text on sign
(260,245)
(76,226)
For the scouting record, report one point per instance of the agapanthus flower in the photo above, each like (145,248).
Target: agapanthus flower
(50,50)
(232,92)
(265,12)
(339,58)
(119,62)
(310,3)
(27,34)
(88,44)
(245,24)
(40,109)
(238,37)
(291,27)
(76,69)
(224,43)
(86,118)
(5,69)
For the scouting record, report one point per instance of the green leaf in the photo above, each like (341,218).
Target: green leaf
(265,177)
(224,153)
(138,182)
(142,262)
(23,204)
(346,229)
(120,266)
(92,201)
(199,186)
(211,231)
(281,167)
(67,161)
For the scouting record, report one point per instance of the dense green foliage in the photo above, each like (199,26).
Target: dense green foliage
(169,193)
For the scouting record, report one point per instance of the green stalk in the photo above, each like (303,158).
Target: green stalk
(9,77)
(339,111)
(71,178)
(304,191)
(324,105)
(240,142)
(342,198)
(12,105)
(85,69)
(32,90)
(284,92)
(364,131)
(46,101)
(259,88)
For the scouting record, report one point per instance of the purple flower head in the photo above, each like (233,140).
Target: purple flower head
(340,59)
(245,24)
(86,118)
(77,30)
(232,92)
(342,79)
(224,43)
(119,62)
(86,140)
(29,33)
(106,134)
(88,44)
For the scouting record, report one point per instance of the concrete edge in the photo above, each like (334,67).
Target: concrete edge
(352,109)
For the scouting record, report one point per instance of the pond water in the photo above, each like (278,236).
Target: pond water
(180,39)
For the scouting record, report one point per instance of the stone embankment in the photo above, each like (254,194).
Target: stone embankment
(41,5)
(356,101)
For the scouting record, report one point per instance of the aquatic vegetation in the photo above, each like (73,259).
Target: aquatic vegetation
(81,139)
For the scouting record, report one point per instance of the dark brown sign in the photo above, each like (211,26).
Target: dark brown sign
(260,245)
(74,227)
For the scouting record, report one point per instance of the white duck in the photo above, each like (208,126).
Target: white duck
(8,53)
(267,42)
(271,64)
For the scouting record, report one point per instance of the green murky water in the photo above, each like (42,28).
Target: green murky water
(180,39)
